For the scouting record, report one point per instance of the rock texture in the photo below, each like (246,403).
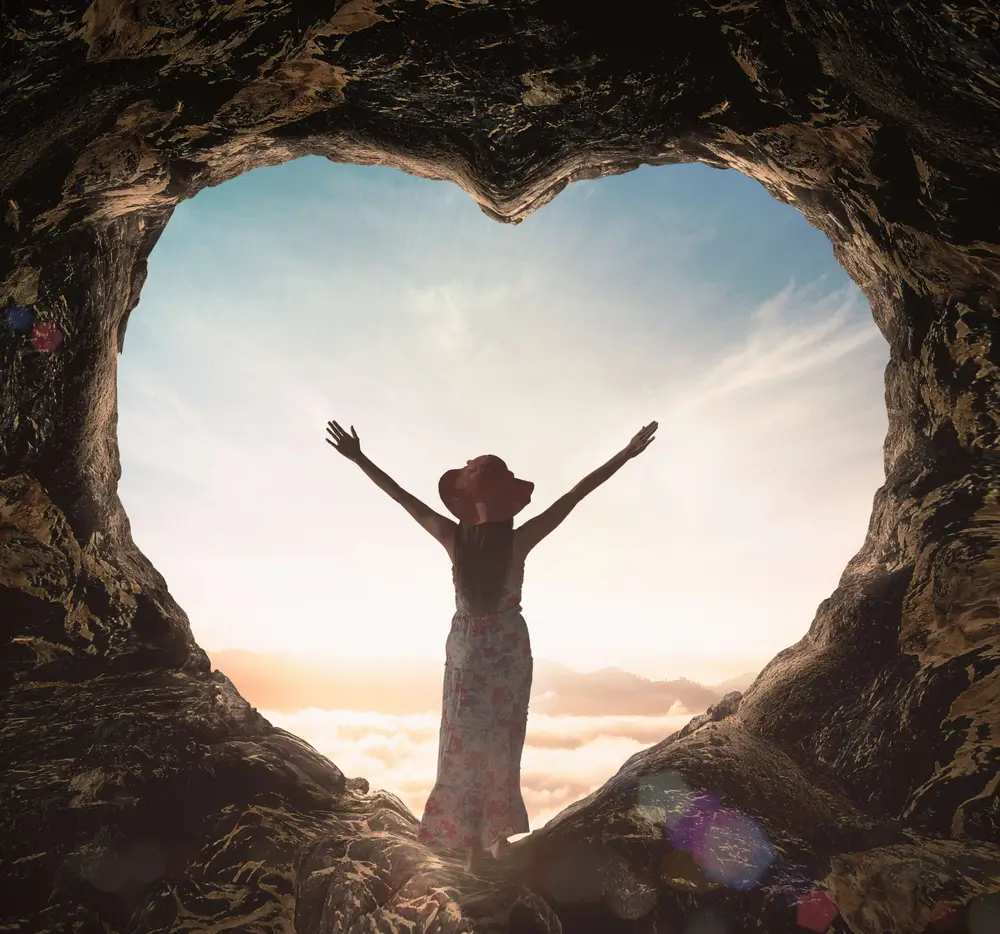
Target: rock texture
(141,794)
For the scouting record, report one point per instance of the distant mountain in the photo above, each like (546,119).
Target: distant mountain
(282,682)
(620,671)
(612,692)
(738,683)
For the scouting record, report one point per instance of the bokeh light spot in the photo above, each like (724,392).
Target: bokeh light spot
(815,912)
(18,318)
(689,819)
(734,850)
(662,791)
(45,336)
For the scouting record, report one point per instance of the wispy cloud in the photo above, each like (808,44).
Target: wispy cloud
(783,345)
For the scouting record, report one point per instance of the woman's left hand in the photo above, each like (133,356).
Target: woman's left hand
(643,438)
(347,444)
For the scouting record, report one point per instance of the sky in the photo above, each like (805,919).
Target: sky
(310,291)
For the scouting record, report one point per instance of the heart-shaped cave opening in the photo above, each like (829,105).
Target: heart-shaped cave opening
(309,291)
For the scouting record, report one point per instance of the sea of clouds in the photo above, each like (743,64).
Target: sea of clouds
(565,758)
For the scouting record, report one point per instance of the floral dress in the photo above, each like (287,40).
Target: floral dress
(487,680)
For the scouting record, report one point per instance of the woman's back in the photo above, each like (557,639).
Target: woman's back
(510,596)
(495,642)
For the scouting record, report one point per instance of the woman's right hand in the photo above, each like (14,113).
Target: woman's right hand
(640,442)
(347,444)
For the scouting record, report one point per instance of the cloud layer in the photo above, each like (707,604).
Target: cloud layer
(565,758)
(381,722)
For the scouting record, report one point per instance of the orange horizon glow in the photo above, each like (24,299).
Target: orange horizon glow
(382,724)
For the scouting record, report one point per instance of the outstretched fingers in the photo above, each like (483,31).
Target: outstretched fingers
(645,432)
(336,433)
(643,437)
(347,444)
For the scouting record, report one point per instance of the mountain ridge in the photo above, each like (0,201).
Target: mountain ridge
(286,682)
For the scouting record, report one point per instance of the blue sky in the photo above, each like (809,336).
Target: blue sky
(311,291)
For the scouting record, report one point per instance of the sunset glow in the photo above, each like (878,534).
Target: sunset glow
(307,292)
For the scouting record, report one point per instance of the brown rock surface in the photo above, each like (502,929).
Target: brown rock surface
(140,793)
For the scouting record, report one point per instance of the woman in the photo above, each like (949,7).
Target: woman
(476,802)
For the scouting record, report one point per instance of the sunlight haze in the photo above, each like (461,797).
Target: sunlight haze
(311,291)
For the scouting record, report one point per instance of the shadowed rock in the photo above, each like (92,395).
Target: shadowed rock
(140,793)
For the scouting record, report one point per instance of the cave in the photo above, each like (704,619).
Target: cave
(142,794)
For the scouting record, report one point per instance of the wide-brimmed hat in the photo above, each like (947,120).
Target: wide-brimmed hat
(485,480)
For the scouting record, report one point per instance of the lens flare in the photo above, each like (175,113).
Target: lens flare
(18,318)
(45,336)
(689,818)
(815,912)
(729,847)
(662,791)
(734,850)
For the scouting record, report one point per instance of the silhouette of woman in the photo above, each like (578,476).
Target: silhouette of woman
(476,802)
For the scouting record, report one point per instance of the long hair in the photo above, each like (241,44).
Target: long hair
(482,558)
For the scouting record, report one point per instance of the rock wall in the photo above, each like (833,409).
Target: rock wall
(140,793)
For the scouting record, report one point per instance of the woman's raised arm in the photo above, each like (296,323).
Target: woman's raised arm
(349,445)
(534,530)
